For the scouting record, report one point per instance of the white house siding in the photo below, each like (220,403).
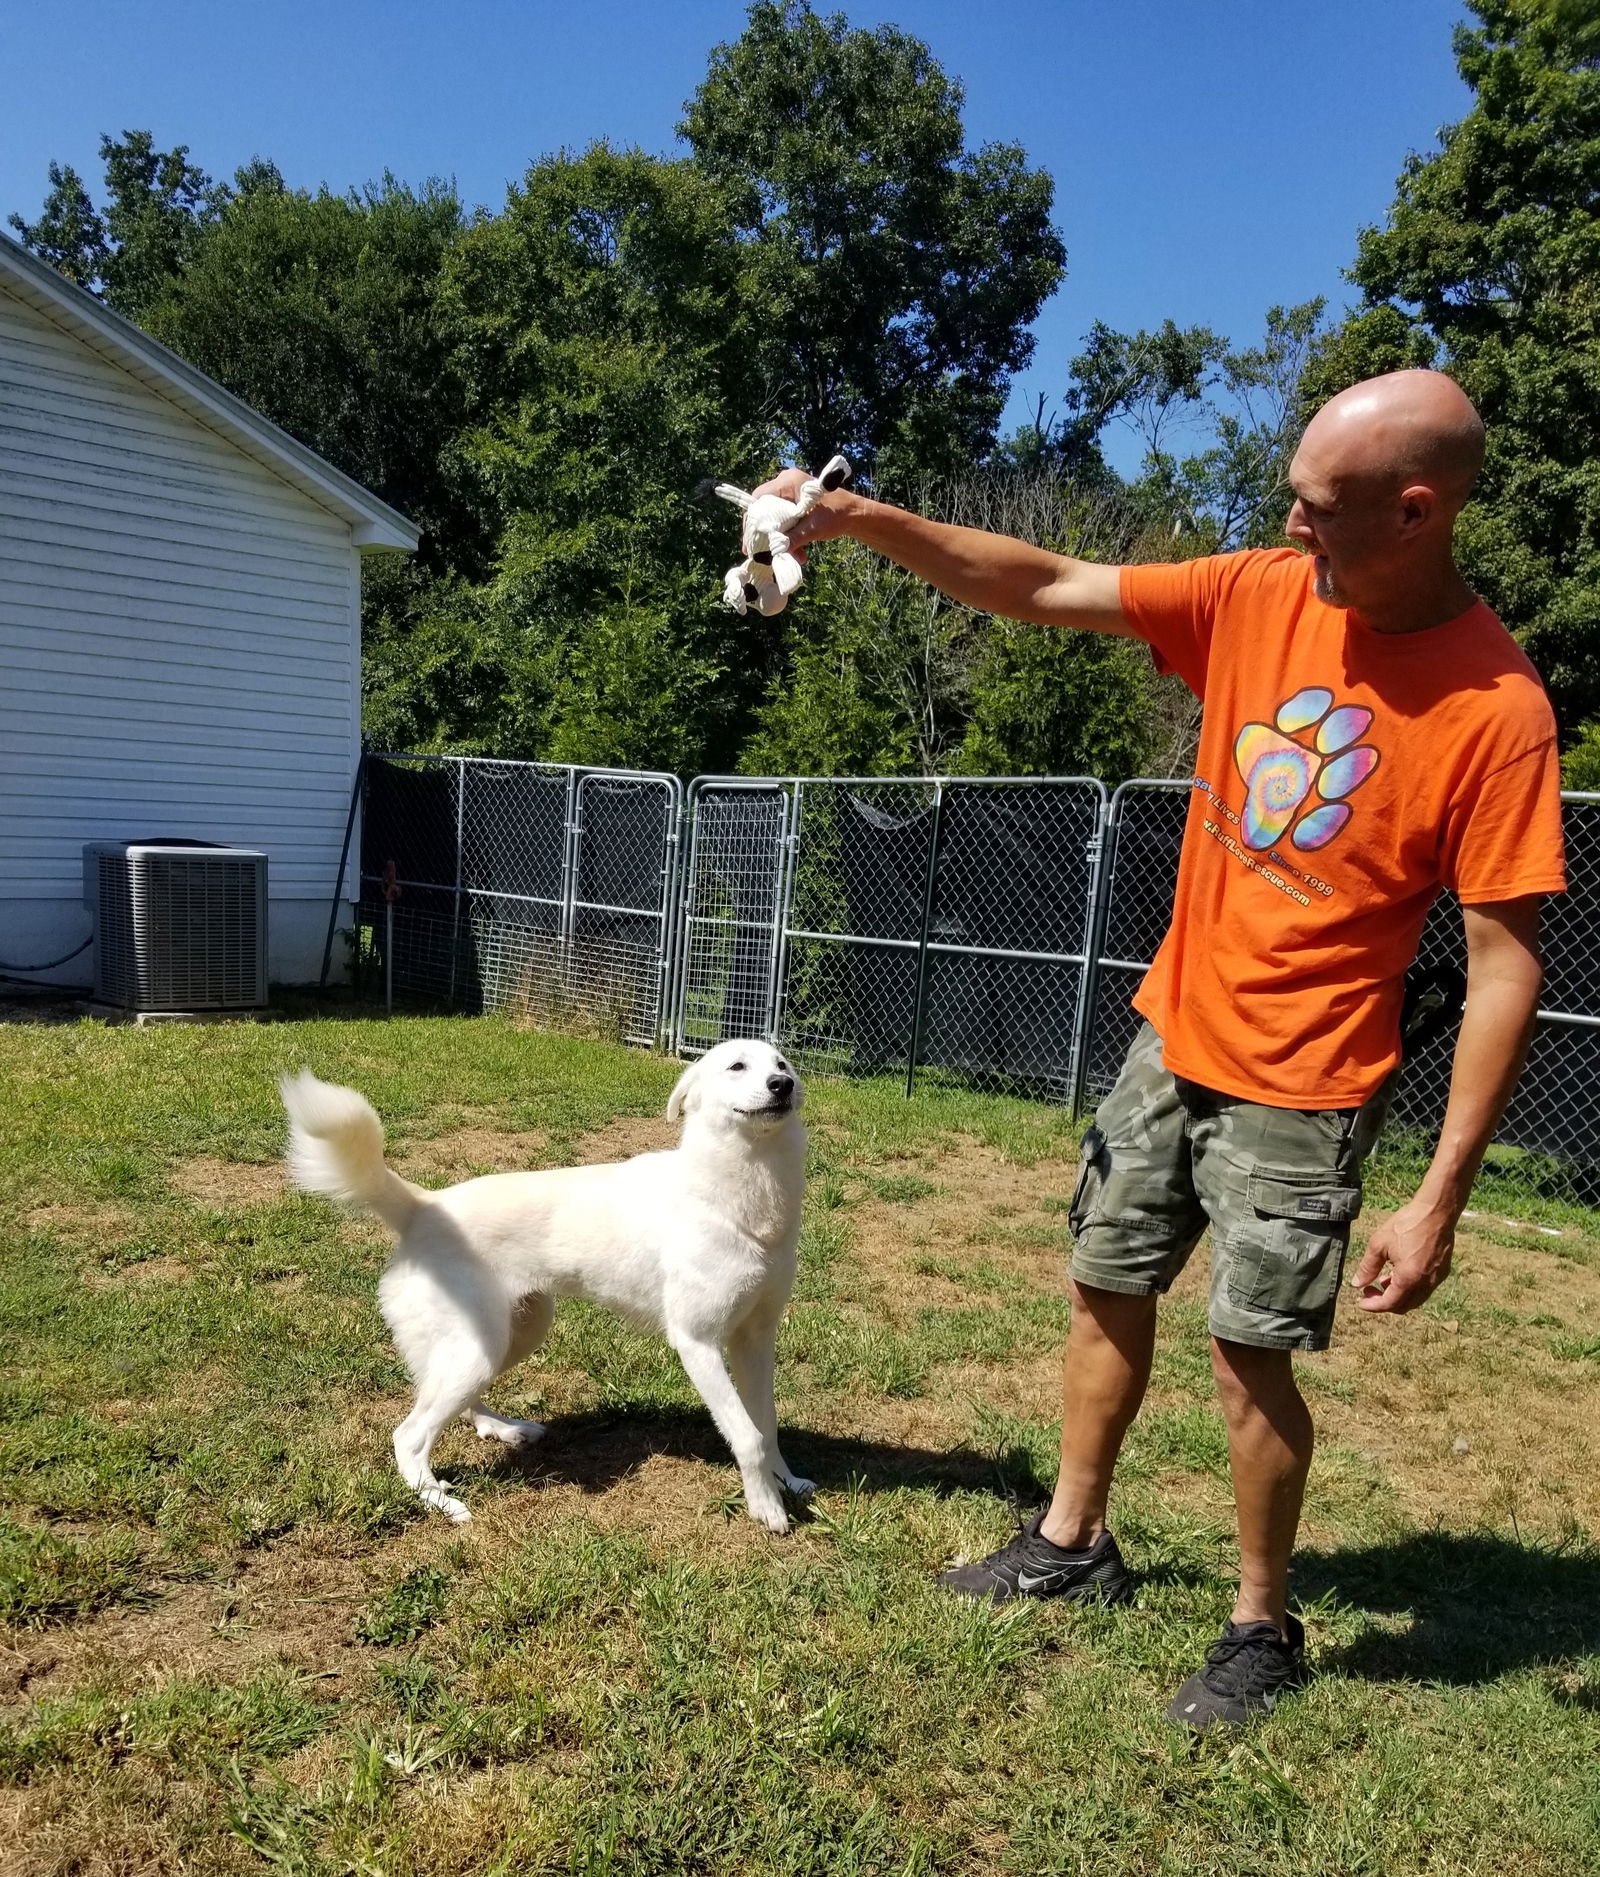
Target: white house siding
(179,647)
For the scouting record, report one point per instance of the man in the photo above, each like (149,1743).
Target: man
(1371,732)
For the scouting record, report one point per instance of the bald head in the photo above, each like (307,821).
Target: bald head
(1405,428)
(1380,475)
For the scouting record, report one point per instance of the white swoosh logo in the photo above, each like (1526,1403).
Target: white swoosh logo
(1025,1583)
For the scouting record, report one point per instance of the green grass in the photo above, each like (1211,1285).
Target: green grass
(242,1645)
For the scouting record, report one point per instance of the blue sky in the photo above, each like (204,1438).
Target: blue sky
(1209,159)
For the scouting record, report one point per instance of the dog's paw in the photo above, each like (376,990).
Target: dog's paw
(799,1488)
(767,1509)
(440,1501)
(509,1433)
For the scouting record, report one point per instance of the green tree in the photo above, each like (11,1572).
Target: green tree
(1218,424)
(597,331)
(896,271)
(1489,266)
(873,680)
(70,233)
(321,312)
(159,205)
(886,676)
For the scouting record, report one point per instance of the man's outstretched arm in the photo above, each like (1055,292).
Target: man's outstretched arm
(1503,979)
(993,573)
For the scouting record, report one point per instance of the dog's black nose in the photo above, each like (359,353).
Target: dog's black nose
(780,1084)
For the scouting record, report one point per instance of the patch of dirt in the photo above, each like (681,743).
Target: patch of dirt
(467,1151)
(988,1210)
(89,1223)
(281,1604)
(628,1135)
(145,1271)
(223,1184)
(1476,1415)
(46,1011)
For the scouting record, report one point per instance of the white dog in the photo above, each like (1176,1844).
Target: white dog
(696,1244)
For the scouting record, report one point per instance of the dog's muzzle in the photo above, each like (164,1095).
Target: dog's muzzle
(781,1089)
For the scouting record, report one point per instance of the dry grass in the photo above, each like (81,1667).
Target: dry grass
(611,1666)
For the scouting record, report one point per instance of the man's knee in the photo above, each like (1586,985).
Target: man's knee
(1250,1379)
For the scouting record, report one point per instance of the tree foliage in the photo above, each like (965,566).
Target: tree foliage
(159,206)
(896,271)
(321,311)
(1489,265)
(1217,425)
(885,676)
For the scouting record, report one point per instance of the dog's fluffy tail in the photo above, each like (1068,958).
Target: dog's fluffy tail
(336,1147)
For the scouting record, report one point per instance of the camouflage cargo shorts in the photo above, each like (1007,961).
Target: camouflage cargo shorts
(1278,1187)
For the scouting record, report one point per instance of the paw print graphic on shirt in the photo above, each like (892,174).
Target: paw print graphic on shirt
(1282,772)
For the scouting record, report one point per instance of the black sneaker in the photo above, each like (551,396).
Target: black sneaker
(1245,1671)
(1031,1566)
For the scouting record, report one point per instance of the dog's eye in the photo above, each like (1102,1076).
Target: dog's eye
(734,1068)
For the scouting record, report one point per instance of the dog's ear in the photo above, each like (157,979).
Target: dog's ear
(683,1097)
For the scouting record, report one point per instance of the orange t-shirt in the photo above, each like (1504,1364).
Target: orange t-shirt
(1346,775)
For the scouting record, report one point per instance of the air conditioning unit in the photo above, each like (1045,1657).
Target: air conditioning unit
(178,924)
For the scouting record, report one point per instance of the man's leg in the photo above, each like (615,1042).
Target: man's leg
(1135,1219)
(1104,1375)
(1270,1440)
(1281,1186)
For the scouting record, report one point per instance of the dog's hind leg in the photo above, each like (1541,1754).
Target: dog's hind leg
(530,1324)
(706,1369)
(752,1356)
(447,1389)
(451,1327)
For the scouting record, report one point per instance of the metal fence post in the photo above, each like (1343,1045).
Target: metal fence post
(688,860)
(788,835)
(455,924)
(783,905)
(666,968)
(930,886)
(338,878)
(1103,850)
(569,873)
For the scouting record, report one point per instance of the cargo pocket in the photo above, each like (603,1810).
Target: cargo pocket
(1287,1246)
(1091,1180)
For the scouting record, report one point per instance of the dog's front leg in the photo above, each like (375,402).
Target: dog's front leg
(705,1367)
(752,1355)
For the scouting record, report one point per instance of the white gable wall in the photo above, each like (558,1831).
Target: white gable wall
(179,648)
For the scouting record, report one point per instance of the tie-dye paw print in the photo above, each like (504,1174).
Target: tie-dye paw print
(1282,774)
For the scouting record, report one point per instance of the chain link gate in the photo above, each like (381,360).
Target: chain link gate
(730,920)
(888,925)
(536,888)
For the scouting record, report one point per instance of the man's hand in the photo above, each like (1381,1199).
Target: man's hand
(1406,1260)
(1414,1246)
(825,522)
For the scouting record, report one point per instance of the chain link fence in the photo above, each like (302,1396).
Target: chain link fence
(895,927)
(534,888)
(986,932)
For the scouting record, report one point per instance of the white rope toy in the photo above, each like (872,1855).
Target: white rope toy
(769,573)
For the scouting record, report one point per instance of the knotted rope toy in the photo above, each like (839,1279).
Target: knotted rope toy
(769,573)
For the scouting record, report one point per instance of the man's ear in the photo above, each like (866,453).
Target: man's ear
(682,1099)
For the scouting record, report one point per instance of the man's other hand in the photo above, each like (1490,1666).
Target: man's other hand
(1406,1260)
